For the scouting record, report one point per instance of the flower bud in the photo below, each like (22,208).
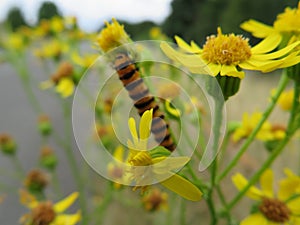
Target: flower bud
(48,159)
(7,144)
(36,181)
(155,200)
(44,125)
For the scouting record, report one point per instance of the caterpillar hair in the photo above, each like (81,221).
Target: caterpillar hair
(129,74)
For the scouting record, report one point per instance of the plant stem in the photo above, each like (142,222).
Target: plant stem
(216,132)
(72,161)
(182,212)
(282,84)
(100,210)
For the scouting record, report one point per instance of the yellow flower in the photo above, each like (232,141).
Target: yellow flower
(272,209)
(227,55)
(47,213)
(57,24)
(285,100)
(287,24)
(156,33)
(15,41)
(52,49)
(155,200)
(247,126)
(83,60)
(112,36)
(149,166)
(65,87)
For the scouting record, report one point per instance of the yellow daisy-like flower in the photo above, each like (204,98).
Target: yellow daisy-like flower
(65,87)
(149,166)
(112,36)
(227,55)
(272,209)
(47,213)
(286,24)
(248,125)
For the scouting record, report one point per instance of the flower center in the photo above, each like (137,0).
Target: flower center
(226,49)
(43,214)
(141,169)
(142,158)
(275,210)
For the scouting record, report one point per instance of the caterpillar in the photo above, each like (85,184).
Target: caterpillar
(129,74)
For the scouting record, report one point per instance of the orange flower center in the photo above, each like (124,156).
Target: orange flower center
(43,214)
(275,210)
(226,49)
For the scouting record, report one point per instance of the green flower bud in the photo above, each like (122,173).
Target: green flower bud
(7,144)
(36,181)
(48,159)
(44,125)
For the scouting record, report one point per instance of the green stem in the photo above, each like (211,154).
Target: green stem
(100,210)
(282,84)
(18,166)
(55,182)
(216,132)
(73,163)
(182,212)
(24,75)
(224,203)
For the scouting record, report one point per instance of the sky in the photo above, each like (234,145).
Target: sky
(92,13)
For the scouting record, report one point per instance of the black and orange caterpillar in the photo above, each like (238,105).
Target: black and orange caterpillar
(130,76)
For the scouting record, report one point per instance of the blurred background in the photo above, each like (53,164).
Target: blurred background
(190,19)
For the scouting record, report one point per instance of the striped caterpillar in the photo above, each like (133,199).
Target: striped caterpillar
(129,75)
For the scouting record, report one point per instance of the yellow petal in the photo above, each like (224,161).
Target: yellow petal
(256,218)
(119,153)
(62,205)
(132,128)
(293,205)
(240,182)
(228,70)
(294,220)
(145,124)
(267,45)
(46,84)
(163,164)
(290,62)
(263,65)
(183,45)
(257,29)
(182,187)
(188,60)
(214,68)
(65,219)
(65,87)
(195,47)
(279,53)
(266,183)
